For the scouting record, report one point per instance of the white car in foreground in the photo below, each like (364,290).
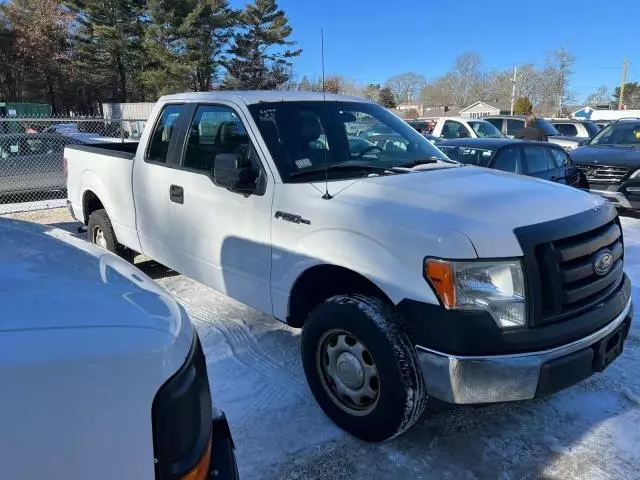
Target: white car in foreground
(102,372)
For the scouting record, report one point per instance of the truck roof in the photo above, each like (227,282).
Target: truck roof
(250,97)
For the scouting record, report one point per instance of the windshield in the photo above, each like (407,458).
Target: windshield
(485,129)
(306,136)
(546,127)
(619,133)
(468,155)
(592,128)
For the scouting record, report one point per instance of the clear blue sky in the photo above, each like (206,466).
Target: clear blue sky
(369,41)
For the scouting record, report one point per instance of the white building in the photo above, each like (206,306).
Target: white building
(481,109)
(589,113)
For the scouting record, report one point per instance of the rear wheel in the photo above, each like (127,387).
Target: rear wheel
(100,232)
(362,368)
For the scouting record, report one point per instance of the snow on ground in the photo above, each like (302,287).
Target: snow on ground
(590,431)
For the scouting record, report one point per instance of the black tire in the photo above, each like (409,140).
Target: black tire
(401,397)
(99,220)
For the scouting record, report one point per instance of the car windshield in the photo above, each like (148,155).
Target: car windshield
(468,155)
(310,136)
(546,127)
(592,128)
(619,133)
(485,129)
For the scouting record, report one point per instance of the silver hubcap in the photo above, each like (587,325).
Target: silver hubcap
(99,238)
(348,372)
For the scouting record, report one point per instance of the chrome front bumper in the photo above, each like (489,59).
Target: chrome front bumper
(500,378)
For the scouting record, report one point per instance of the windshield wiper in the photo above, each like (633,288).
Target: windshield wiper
(347,166)
(419,161)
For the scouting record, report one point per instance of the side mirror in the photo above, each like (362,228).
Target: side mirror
(235,173)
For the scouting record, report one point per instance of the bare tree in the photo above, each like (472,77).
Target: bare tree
(406,86)
(470,82)
(559,70)
(600,96)
(439,92)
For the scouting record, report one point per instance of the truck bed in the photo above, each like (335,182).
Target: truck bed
(104,171)
(121,150)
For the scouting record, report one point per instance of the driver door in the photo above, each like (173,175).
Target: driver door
(221,238)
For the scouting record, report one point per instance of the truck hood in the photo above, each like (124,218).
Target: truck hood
(606,155)
(50,279)
(480,203)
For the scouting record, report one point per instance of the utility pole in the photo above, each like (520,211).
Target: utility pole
(513,87)
(624,80)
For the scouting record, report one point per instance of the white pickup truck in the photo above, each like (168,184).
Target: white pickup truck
(460,127)
(409,274)
(102,372)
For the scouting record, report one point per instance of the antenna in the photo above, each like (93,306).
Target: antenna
(327,195)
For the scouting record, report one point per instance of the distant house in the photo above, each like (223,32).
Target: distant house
(482,109)
(590,113)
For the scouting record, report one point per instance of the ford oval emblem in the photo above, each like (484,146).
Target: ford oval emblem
(603,262)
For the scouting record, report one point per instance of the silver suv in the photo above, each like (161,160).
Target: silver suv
(575,128)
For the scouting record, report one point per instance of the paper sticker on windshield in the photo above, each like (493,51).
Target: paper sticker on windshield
(303,163)
(14,148)
(267,115)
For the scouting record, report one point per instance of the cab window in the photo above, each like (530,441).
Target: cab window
(163,132)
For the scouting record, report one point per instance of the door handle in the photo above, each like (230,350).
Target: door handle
(176,194)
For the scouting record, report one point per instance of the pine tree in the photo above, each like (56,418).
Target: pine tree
(260,60)
(522,106)
(185,44)
(386,98)
(107,44)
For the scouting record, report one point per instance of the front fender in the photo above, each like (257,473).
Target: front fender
(397,271)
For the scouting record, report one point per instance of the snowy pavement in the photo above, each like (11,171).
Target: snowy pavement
(590,431)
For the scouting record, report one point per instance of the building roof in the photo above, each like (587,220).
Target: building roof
(250,97)
(488,104)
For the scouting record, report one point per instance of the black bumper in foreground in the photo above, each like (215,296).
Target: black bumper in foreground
(223,464)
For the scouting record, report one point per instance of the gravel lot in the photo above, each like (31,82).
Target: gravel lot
(591,431)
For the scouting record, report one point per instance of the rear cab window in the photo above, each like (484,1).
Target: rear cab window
(163,131)
(567,129)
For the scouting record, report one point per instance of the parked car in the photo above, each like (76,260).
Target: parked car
(575,128)
(32,162)
(611,163)
(537,159)
(410,275)
(602,123)
(459,127)
(510,124)
(100,133)
(102,372)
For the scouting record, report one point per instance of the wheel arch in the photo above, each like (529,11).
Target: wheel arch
(321,282)
(90,203)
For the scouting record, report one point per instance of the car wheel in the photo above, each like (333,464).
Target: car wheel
(362,368)
(100,232)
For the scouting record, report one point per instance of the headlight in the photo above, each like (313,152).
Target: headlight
(497,287)
(635,174)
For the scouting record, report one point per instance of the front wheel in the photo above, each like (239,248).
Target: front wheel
(362,368)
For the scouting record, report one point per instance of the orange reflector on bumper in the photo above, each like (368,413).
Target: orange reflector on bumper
(201,470)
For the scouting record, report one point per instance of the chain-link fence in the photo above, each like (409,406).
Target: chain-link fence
(31,152)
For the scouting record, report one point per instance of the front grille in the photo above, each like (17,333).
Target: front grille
(604,174)
(569,283)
